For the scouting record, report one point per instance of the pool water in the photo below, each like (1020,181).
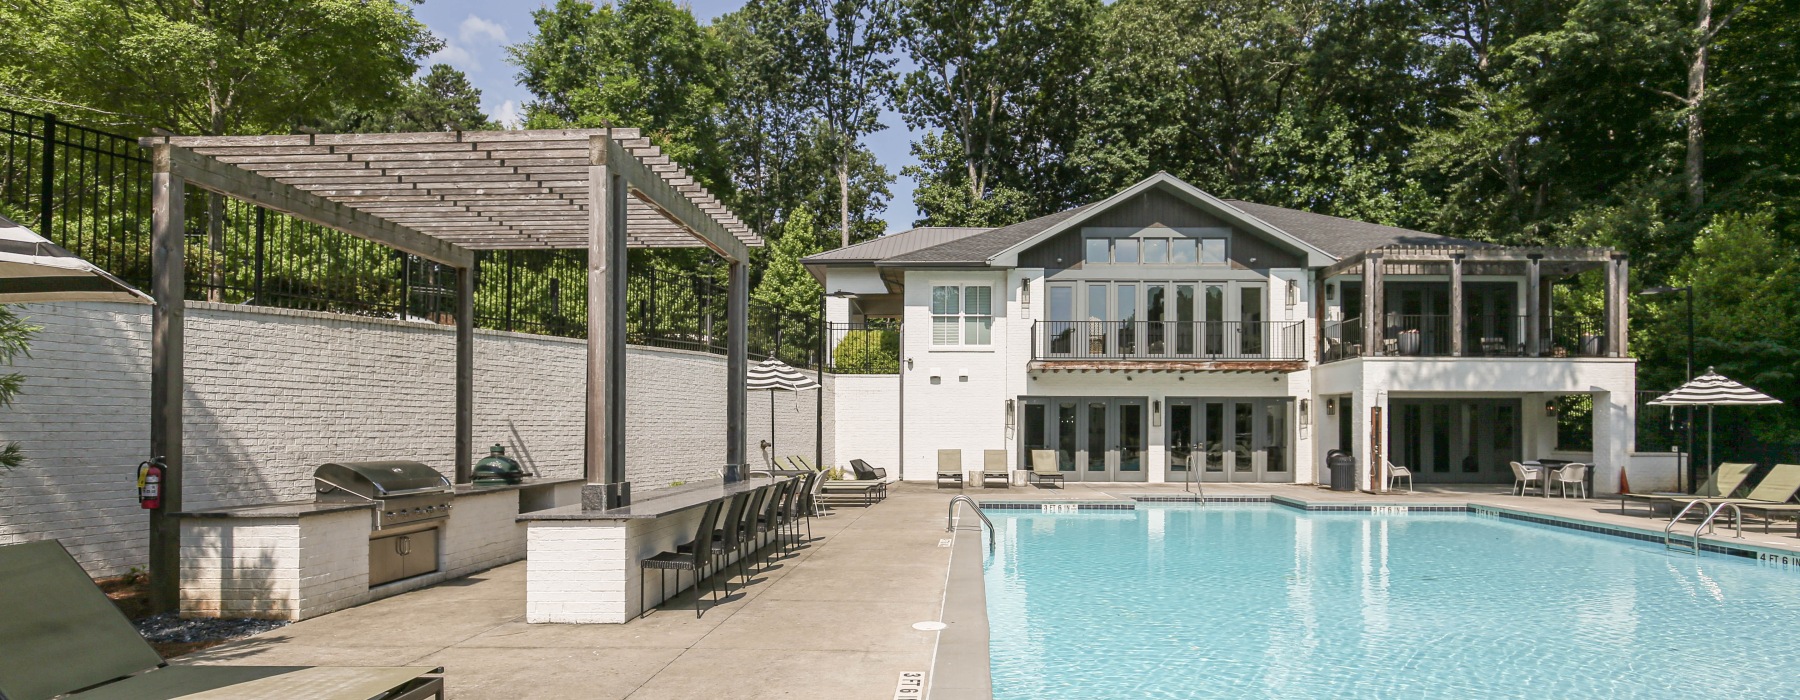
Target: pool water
(1234,601)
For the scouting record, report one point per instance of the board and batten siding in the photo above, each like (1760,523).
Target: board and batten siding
(273,393)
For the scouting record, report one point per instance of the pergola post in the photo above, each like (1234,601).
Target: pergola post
(1534,319)
(465,375)
(167,280)
(737,363)
(1456,305)
(605,487)
(1372,311)
(1618,318)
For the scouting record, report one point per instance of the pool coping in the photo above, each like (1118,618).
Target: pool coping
(961,666)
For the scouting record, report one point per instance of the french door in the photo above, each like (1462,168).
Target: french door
(1228,440)
(1094,438)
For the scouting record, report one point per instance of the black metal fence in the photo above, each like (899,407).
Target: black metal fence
(871,347)
(89,191)
(1162,340)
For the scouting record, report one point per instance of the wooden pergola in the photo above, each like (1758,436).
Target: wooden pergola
(1539,266)
(442,196)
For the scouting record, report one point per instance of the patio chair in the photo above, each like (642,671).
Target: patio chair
(993,466)
(678,561)
(724,540)
(59,634)
(1396,471)
(949,468)
(1723,482)
(1043,467)
(1523,476)
(1572,475)
(878,477)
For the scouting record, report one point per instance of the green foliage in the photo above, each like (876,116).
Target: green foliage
(218,67)
(15,336)
(440,100)
(944,196)
(872,351)
(786,285)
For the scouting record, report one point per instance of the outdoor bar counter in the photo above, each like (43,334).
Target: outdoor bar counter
(300,559)
(582,566)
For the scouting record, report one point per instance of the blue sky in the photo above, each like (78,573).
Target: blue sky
(476,33)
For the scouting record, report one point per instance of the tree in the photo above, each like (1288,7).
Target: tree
(946,199)
(440,100)
(15,334)
(218,67)
(853,71)
(786,285)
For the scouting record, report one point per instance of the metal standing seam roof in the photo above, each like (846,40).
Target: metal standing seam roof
(1339,236)
(475,189)
(978,248)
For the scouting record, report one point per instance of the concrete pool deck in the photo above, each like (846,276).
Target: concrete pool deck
(833,620)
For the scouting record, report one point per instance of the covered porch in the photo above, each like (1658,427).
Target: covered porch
(1469,301)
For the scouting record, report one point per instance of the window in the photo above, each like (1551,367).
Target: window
(1125,250)
(1181,251)
(1156,250)
(1147,250)
(962,315)
(1099,250)
(1212,250)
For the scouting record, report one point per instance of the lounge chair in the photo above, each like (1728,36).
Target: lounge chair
(59,634)
(865,472)
(993,467)
(1775,489)
(949,468)
(1723,482)
(1396,471)
(1043,467)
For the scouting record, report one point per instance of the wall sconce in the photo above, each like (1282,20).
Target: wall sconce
(1009,413)
(1156,413)
(1331,407)
(1293,293)
(1331,292)
(1025,295)
(1305,409)
(909,363)
(1550,408)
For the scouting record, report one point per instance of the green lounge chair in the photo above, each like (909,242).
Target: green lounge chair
(1775,489)
(59,635)
(1043,467)
(1723,482)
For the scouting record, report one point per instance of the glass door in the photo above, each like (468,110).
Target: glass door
(1183,424)
(1129,418)
(1232,440)
(1095,439)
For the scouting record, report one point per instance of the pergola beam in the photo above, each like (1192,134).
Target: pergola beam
(651,189)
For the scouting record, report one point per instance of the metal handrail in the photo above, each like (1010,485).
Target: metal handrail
(1668,532)
(950,517)
(1706,525)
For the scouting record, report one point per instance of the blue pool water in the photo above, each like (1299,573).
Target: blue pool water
(1262,601)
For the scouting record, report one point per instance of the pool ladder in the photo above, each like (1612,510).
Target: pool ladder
(1706,526)
(950,517)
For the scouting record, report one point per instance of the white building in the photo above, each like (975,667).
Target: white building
(1165,335)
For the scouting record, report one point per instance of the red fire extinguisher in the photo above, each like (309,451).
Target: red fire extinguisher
(150,476)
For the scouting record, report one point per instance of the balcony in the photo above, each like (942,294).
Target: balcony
(1169,345)
(1483,336)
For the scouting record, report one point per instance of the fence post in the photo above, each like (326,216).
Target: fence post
(48,185)
(256,291)
(511,262)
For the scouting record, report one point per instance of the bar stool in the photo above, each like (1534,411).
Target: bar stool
(723,541)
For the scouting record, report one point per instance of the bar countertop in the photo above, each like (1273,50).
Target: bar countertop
(655,504)
(477,489)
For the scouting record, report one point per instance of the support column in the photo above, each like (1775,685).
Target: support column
(1534,320)
(1373,328)
(1456,305)
(167,281)
(737,362)
(465,375)
(1618,316)
(604,310)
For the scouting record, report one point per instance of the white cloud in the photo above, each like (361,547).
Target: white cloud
(509,115)
(475,29)
(456,56)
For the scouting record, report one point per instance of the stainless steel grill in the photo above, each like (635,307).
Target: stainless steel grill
(410,493)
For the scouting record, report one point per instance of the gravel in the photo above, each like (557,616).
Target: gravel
(169,627)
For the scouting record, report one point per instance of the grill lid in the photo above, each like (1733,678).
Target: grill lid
(374,480)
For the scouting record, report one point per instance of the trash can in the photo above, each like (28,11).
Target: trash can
(1343,470)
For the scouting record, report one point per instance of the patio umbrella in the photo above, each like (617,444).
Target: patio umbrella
(774,375)
(1709,390)
(34,269)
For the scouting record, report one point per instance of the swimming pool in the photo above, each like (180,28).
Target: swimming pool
(1227,601)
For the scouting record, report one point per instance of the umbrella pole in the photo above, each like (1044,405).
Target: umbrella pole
(1709,451)
(771,428)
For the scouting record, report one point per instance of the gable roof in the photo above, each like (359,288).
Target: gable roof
(977,249)
(895,244)
(1342,237)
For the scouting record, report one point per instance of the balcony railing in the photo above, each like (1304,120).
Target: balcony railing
(1168,340)
(1429,335)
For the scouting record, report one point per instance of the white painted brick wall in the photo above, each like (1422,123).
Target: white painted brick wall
(586,572)
(483,532)
(272,393)
(868,420)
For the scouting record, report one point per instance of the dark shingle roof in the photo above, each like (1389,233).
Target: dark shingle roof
(978,248)
(884,247)
(1338,236)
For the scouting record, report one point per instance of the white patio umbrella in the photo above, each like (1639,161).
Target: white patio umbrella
(774,375)
(1709,390)
(34,269)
